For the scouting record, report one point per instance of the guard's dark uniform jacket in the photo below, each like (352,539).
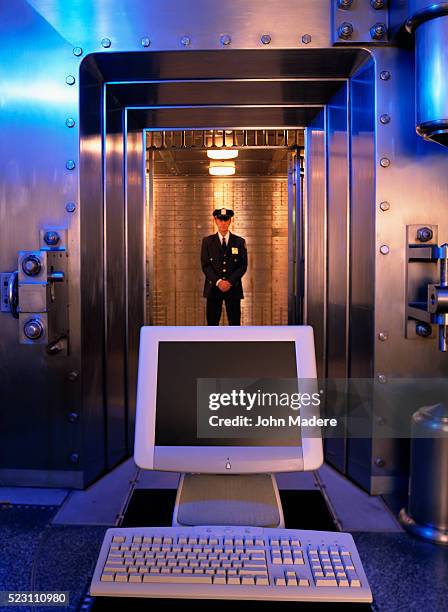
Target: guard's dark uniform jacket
(229,265)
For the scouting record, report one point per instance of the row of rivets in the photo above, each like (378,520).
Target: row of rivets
(377,32)
(185,41)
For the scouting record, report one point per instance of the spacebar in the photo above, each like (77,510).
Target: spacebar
(178,578)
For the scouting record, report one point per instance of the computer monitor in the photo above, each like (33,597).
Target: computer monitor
(173,359)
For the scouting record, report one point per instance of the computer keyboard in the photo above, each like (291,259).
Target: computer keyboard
(230,563)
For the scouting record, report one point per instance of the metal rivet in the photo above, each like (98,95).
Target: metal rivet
(74,458)
(77,51)
(383,336)
(225,39)
(145,42)
(306,39)
(385,162)
(70,122)
(106,43)
(377,4)
(385,75)
(379,462)
(73,417)
(384,206)
(378,31)
(265,39)
(70,207)
(345,30)
(382,378)
(70,79)
(185,41)
(424,330)
(385,119)
(424,234)
(70,164)
(384,249)
(51,238)
(73,375)
(345,5)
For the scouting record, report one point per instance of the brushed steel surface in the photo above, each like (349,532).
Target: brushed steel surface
(316,236)
(338,210)
(87,22)
(135,266)
(362,251)
(34,188)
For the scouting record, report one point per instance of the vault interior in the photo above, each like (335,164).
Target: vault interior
(180,199)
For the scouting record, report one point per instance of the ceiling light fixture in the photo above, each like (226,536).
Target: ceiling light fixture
(222,168)
(222,153)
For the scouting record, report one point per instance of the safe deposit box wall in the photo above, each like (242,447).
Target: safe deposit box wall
(81,81)
(181,217)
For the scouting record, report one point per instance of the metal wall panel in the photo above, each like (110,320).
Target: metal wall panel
(35,186)
(415,185)
(181,215)
(338,211)
(362,250)
(136,266)
(316,237)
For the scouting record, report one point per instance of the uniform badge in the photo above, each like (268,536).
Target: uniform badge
(234,250)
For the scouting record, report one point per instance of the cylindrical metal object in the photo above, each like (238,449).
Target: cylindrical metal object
(427,512)
(430,24)
(33,329)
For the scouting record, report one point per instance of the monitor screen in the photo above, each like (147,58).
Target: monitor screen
(181,364)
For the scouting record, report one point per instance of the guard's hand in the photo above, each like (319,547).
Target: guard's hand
(225,286)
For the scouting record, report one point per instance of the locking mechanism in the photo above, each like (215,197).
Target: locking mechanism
(36,293)
(427,284)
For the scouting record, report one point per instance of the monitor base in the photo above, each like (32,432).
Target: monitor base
(224,499)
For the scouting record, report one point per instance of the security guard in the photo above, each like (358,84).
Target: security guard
(224,262)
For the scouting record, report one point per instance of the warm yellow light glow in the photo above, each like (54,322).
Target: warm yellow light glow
(222,153)
(222,168)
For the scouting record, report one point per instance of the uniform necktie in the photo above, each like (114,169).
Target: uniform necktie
(223,244)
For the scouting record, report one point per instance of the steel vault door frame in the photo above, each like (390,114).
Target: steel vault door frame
(42,106)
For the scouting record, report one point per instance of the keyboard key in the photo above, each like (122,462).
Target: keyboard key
(107,577)
(135,578)
(121,577)
(117,538)
(326,582)
(219,580)
(261,580)
(233,580)
(249,571)
(280,582)
(248,580)
(179,579)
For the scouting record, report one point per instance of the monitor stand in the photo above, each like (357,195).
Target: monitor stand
(225,499)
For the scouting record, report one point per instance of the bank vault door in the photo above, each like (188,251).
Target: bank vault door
(264,193)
